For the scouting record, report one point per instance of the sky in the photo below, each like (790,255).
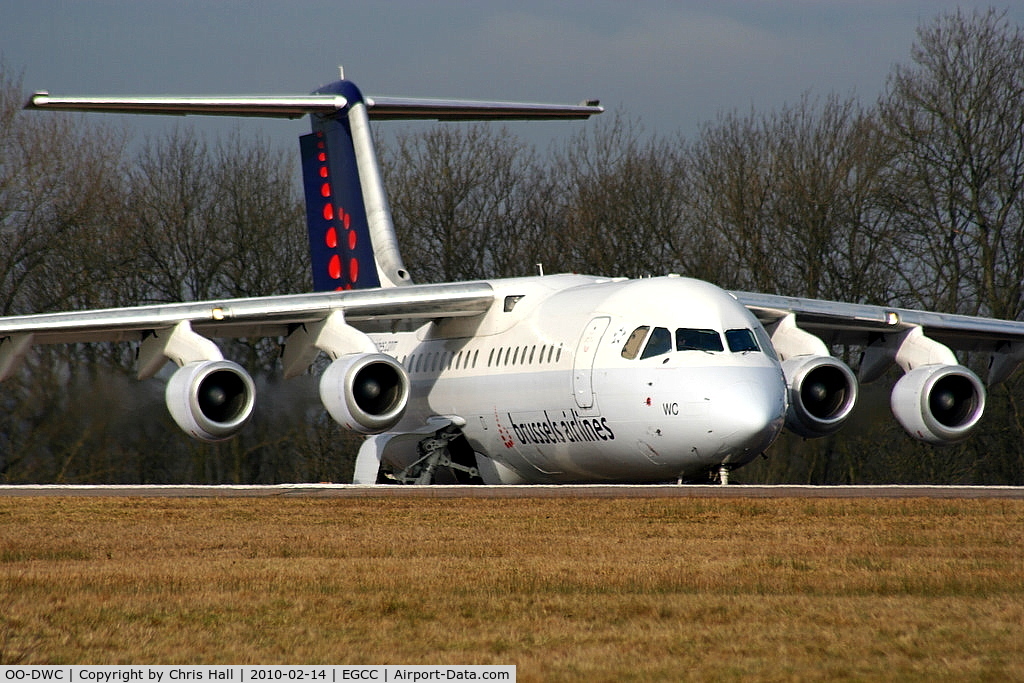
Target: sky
(670,66)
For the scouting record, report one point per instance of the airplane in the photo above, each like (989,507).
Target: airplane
(546,379)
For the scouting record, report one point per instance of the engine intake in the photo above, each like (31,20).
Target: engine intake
(822,393)
(938,404)
(211,400)
(365,392)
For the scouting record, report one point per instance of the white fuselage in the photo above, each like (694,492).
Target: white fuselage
(552,384)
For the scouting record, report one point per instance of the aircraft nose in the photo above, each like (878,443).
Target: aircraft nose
(749,416)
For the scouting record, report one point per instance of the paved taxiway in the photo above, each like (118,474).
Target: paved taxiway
(563,491)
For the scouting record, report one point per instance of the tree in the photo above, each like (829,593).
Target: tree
(59,192)
(955,120)
(731,171)
(828,159)
(619,203)
(82,230)
(457,198)
(793,201)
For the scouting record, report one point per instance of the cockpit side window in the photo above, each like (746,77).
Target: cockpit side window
(741,340)
(659,343)
(698,340)
(636,339)
(766,343)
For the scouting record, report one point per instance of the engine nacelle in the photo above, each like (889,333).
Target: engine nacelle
(365,392)
(822,393)
(938,404)
(211,400)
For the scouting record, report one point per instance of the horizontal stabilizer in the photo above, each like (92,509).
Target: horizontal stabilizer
(291,107)
(385,108)
(295,106)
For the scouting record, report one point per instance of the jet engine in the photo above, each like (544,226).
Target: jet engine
(938,404)
(822,393)
(365,392)
(210,400)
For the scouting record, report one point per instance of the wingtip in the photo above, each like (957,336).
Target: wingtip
(38,99)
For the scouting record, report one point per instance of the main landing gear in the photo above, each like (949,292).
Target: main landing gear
(445,458)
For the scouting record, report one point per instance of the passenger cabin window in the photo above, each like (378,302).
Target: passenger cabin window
(741,341)
(698,340)
(636,339)
(659,343)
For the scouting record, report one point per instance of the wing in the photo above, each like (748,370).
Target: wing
(881,326)
(236,318)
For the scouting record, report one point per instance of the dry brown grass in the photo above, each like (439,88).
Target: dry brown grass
(563,588)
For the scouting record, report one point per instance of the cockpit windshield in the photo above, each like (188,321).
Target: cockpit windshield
(698,340)
(659,340)
(741,341)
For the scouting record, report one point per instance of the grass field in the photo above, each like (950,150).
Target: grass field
(566,589)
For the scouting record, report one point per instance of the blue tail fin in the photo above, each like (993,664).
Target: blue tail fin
(341,179)
(339,236)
